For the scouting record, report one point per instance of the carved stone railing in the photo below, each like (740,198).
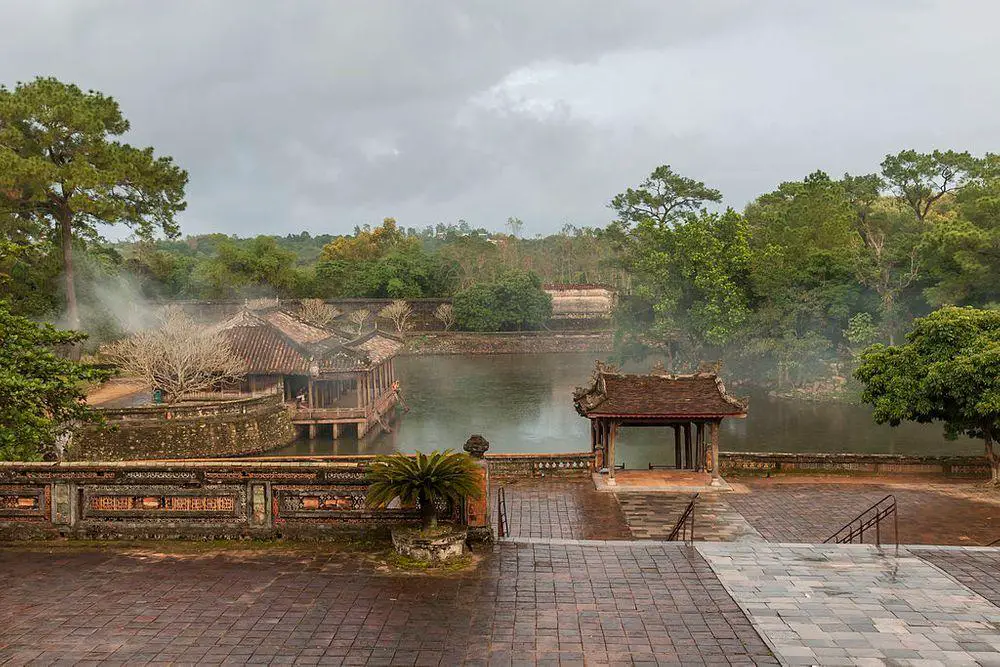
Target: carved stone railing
(762,462)
(194,498)
(571,464)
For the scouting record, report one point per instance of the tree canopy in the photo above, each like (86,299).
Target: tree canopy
(64,173)
(947,371)
(41,392)
(515,301)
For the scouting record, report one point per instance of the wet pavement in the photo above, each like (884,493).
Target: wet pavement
(583,580)
(630,603)
(856,605)
(570,509)
(811,512)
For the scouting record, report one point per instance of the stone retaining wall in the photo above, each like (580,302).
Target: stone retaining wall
(762,462)
(190,499)
(422,318)
(223,428)
(521,342)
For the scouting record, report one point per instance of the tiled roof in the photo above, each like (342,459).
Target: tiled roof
(266,351)
(657,395)
(275,341)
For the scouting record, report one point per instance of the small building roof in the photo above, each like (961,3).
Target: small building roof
(658,395)
(273,341)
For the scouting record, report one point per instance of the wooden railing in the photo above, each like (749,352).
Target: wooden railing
(310,414)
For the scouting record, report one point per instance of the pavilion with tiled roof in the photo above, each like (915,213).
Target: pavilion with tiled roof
(328,375)
(694,405)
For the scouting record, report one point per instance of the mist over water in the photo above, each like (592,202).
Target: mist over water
(523,403)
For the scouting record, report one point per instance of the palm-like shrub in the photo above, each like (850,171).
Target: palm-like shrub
(424,479)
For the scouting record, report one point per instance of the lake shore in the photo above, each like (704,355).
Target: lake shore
(517,342)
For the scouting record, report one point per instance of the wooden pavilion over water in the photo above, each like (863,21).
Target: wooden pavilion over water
(327,375)
(693,405)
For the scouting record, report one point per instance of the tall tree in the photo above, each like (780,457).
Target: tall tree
(63,170)
(919,180)
(948,371)
(887,259)
(663,198)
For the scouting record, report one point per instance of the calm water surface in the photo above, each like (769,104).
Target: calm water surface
(523,403)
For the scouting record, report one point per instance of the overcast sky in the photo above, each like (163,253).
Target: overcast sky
(319,116)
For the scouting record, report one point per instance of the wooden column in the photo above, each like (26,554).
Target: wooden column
(688,459)
(357,382)
(699,441)
(612,432)
(678,451)
(714,431)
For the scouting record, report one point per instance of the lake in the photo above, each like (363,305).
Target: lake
(523,403)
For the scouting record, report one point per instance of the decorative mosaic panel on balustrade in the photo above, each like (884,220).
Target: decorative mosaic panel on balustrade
(223,503)
(337,505)
(25,503)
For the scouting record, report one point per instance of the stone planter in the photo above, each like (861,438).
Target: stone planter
(440,544)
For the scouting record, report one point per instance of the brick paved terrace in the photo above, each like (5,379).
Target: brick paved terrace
(524,604)
(810,509)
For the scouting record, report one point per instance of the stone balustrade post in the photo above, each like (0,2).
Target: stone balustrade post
(477,510)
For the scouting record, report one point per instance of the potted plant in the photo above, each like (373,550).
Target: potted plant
(425,480)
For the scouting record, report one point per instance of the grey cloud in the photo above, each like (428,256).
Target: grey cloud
(324,115)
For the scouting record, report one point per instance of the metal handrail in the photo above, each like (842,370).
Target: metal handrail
(685,523)
(870,518)
(503,528)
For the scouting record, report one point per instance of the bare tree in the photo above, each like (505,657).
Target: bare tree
(446,313)
(317,311)
(399,312)
(359,317)
(179,358)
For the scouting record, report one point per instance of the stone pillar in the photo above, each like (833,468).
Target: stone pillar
(313,431)
(335,431)
(716,477)
(477,510)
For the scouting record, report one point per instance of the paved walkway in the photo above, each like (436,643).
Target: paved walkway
(569,604)
(810,511)
(564,602)
(853,605)
(653,516)
(571,509)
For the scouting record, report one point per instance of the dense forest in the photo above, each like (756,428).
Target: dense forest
(786,292)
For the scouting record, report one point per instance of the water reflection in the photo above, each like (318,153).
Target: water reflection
(523,403)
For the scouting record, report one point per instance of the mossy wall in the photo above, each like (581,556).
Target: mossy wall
(228,428)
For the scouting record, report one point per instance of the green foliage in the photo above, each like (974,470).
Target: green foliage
(63,171)
(663,199)
(41,393)
(948,371)
(515,301)
(861,330)
(424,480)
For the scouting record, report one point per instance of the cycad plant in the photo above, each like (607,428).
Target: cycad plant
(424,479)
